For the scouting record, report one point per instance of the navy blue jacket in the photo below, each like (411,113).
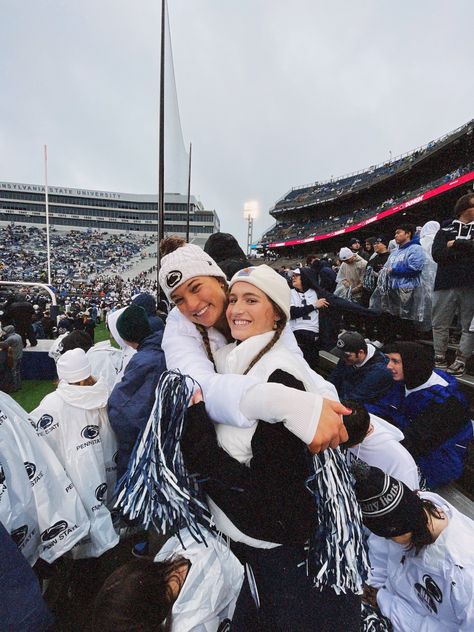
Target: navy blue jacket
(22,608)
(436,424)
(362,384)
(132,399)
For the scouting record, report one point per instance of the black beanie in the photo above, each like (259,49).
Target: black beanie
(132,324)
(223,246)
(76,339)
(418,361)
(389,508)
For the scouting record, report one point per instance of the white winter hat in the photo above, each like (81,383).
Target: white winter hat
(345,254)
(184,263)
(270,282)
(73,366)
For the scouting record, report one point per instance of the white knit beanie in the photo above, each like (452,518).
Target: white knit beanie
(345,254)
(183,264)
(270,282)
(73,366)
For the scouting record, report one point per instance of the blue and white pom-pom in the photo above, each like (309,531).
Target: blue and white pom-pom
(337,555)
(372,620)
(157,489)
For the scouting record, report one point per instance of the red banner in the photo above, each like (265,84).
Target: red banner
(467,177)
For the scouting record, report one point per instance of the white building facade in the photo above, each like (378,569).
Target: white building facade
(106,211)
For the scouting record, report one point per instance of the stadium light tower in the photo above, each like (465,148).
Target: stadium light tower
(250,213)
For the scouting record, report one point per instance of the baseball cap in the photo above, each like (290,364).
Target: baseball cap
(345,254)
(349,342)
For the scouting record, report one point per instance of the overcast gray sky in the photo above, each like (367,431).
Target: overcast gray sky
(272,93)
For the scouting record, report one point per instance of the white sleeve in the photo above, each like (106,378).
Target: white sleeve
(341,274)
(294,300)
(461,596)
(299,410)
(289,340)
(378,557)
(239,400)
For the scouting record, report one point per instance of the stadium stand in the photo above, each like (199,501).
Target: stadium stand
(420,185)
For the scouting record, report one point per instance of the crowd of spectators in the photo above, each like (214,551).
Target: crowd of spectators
(332,189)
(308,226)
(402,423)
(77,255)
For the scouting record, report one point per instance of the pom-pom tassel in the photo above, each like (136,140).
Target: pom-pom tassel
(337,554)
(157,489)
(372,620)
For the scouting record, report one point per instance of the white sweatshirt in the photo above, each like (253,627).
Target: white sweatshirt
(235,358)
(382,449)
(432,591)
(238,400)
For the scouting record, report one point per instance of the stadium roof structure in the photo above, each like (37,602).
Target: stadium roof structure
(418,185)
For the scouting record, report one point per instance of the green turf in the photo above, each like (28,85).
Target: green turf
(33,391)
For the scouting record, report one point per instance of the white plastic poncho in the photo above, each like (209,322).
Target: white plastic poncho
(39,505)
(73,420)
(209,594)
(107,362)
(127,351)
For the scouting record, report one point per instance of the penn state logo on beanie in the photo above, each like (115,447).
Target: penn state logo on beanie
(184,263)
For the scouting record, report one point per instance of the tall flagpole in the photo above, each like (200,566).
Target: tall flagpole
(189,193)
(161,150)
(48,250)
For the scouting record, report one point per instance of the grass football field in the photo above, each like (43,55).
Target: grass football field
(33,391)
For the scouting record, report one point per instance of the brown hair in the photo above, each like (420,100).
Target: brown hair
(280,326)
(170,244)
(206,342)
(137,597)
(421,535)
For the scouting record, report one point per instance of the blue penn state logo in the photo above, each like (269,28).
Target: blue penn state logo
(173,278)
(19,535)
(53,531)
(90,432)
(44,422)
(101,491)
(30,469)
(429,593)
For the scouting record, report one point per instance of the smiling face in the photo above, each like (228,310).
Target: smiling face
(395,366)
(201,300)
(250,312)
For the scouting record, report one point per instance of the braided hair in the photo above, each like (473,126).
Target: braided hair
(206,342)
(279,327)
